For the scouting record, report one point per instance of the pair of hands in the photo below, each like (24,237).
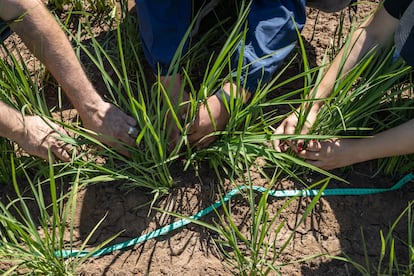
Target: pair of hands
(327,154)
(108,121)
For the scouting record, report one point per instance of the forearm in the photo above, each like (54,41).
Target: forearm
(43,36)
(11,122)
(393,142)
(377,31)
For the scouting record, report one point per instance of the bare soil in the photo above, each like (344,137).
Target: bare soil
(333,228)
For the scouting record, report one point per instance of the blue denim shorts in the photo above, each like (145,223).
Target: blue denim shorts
(4,30)
(271,35)
(404,36)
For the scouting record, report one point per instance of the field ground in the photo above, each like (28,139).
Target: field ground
(333,228)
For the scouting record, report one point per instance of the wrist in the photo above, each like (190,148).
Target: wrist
(230,90)
(11,123)
(223,96)
(89,106)
(16,130)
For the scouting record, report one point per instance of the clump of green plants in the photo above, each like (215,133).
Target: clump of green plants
(130,87)
(388,262)
(19,88)
(34,225)
(256,246)
(248,136)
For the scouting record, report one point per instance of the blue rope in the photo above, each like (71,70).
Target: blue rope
(274,193)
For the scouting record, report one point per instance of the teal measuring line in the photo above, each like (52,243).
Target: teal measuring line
(274,193)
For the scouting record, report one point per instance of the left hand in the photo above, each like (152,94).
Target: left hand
(203,125)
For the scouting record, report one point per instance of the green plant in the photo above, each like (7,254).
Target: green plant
(19,88)
(118,60)
(388,262)
(34,225)
(256,250)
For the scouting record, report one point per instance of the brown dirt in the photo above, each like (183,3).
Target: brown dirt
(334,226)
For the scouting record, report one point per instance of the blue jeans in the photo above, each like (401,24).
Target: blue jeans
(271,35)
(4,30)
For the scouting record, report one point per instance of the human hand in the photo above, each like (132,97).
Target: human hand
(213,110)
(331,154)
(112,126)
(289,126)
(38,136)
(173,132)
(178,99)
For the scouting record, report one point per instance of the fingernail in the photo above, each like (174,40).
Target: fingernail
(300,146)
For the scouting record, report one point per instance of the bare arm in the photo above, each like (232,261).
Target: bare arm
(332,154)
(377,31)
(43,36)
(33,134)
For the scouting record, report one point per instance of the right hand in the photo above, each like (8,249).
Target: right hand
(213,109)
(112,125)
(289,126)
(38,136)
(332,153)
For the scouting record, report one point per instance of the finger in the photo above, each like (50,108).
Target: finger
(64,155)
(129,139)
(60,153)
(44,154)
(301,143)
(314,145)
(194,137)
(277,142)
(284,146)
(311,155)
(205,142)
(317,163)
(123,151)
(69,148)
(298,145)
(290,129)
(304,154)
(193,129)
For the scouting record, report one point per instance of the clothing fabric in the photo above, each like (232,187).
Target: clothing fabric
(270,38)
(4,30)
(163,24)
(273,28)
(396,8)
(404,36)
